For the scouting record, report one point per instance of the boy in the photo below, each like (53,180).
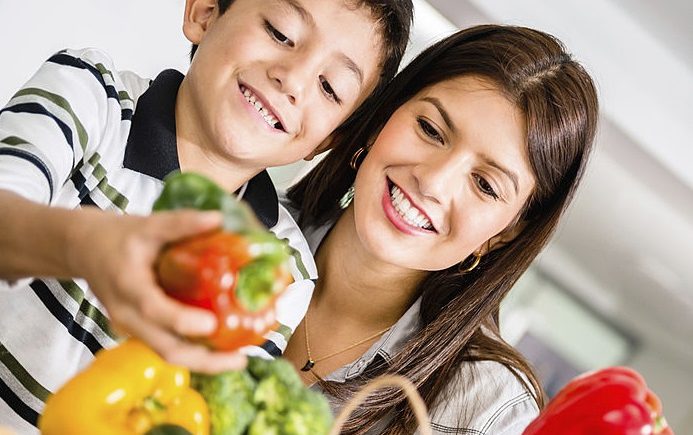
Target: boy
(268,83)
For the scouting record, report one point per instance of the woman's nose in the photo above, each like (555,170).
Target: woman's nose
(439,177)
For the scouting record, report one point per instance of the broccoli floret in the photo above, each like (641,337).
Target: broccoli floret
(229,399)
(265,424)
(280,368)
(273,395)
(309,414)
(267,398)
(286,406)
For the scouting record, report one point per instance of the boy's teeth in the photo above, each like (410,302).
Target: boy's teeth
(269,119)
(409,213)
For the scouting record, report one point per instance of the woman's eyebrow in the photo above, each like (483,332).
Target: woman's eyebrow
(510,174)
(444,113)
(489,161)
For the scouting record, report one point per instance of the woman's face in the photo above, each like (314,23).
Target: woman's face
(448,172)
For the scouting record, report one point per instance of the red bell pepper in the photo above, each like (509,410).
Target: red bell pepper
(237,272)
(612,401)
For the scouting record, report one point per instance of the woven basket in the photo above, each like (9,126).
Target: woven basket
(417,404)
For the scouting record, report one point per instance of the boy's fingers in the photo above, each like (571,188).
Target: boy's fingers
(176,350)
(196,357)
(180,319)
(185,223)
(203,360)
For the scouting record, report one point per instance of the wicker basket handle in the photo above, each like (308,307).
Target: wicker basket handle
(415,400)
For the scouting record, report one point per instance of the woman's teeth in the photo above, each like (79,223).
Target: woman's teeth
(407,211)
(266,115)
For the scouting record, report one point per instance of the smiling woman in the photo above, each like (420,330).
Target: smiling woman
(471,156)
(444,168)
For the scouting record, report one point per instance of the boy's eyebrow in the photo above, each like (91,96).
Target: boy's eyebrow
(353,67)
(307,17)
(300,10)
(451,125)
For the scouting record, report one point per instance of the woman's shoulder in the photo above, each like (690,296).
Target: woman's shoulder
(485,397)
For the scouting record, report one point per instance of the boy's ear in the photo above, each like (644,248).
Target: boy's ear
(325,145)
(199,14)
(503,238)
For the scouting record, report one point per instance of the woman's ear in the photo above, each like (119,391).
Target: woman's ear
(198,16)
(503,238)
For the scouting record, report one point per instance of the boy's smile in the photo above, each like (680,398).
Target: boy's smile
(258,105)
(271,80)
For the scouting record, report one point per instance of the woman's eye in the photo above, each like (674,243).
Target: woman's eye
(277,35)
(328,90)
(430,131)
(485,187)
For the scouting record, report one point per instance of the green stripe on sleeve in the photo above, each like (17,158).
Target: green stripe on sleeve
(117,198)
(20,373)
(87,309)
(62,103)
(285,331)
(124,96)
(299,261)
(14,141)
(104,71)
(99,173)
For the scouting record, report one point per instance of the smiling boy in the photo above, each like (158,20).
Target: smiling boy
(84,149)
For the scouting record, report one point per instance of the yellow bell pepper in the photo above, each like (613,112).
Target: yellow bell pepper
(128,389)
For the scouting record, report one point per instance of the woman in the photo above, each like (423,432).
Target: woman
(464,165)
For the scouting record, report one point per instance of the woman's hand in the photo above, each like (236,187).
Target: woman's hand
(116,255)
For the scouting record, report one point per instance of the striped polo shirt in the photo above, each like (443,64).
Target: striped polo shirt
(78,134)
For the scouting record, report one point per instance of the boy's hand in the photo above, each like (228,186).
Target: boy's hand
(116,255)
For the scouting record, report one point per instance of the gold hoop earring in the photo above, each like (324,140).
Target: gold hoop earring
(475,263)
(357,158)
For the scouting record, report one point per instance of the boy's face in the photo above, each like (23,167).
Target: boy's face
(272,79)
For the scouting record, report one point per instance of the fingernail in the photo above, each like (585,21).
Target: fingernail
(210,217)
(207,324)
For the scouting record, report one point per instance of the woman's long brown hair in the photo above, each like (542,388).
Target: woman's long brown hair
(459,312)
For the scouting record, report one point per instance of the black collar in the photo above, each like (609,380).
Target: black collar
(151,148)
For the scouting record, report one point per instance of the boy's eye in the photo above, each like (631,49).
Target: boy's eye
(328,90)
(485,187)
(277,35)
(429,130)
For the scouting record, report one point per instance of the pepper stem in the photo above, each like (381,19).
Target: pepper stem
(660,424)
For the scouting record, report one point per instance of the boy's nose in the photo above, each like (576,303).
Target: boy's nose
(292,79)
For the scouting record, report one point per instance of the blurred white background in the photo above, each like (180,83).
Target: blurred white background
(616,286)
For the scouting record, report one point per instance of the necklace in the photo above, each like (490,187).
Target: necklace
(310,363)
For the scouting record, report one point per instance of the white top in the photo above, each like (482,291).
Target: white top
(484,399)
(80,133)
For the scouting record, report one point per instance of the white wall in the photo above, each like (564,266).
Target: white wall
(144,36)
(673,383)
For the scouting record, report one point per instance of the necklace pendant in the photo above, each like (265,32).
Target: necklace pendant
(309,365)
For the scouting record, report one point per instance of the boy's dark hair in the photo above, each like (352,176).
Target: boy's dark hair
(394,18)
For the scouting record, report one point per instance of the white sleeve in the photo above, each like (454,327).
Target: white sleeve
(293,303)
(54,122)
